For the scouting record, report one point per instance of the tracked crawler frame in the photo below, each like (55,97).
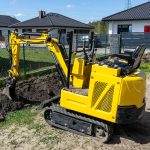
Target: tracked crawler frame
(78,123)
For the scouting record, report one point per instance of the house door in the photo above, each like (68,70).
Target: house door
(146,28)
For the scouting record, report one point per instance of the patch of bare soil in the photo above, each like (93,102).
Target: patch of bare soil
(33,138)
(39,89)
(31,91)
(136,137)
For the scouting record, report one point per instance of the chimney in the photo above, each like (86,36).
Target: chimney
(42,14)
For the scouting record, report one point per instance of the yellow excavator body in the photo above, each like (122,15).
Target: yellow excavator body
(96,96)
(80,73)
(107,94)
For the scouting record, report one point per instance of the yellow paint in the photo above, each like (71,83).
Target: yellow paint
(81,73)
(104,82)
(105,70)
(133,90)
(106,88)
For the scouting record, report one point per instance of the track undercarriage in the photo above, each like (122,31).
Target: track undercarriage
(80,124)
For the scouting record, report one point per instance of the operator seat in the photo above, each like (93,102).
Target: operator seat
(131,56)
(132,62)
(138,56)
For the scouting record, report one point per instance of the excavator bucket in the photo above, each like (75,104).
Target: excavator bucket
(9,90)
(6,91)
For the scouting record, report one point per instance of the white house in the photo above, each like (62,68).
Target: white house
(5,22)
(136,19)
(46,22)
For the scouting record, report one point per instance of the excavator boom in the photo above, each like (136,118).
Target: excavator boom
(16,41)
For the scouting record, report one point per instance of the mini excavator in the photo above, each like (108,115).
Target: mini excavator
(96,95)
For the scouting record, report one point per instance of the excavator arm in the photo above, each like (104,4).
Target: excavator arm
(16,41)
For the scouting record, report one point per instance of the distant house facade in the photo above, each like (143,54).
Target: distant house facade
(136,19)
(5,22)
(53,23)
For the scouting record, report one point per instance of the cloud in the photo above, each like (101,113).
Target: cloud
(69,6)
(18,15)
(12,2)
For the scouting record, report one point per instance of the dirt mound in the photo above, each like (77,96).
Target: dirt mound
(31,91)
(146,58)
(7,105)
(39,89)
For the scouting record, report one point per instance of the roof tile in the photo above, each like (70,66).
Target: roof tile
(6,21)
(52,20)
(140,12)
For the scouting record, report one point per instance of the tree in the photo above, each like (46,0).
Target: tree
(101,27)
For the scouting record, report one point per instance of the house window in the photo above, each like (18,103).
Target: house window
(124,28)
(26,30)
(42,30)
(1,33)
(146,28)
(16,30)
(63,31)
(80,31)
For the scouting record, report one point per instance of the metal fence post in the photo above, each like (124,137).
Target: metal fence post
(9,49)
(24,59)
(120,43)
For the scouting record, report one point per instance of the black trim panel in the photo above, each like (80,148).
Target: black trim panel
(127,115)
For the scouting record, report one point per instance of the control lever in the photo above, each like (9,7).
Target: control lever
(85,54)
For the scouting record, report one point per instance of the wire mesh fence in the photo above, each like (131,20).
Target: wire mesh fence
(36,59)
(4,56)
(4,62)
(33,59)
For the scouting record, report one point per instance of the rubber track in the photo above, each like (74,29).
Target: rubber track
(56,108)
(93,121)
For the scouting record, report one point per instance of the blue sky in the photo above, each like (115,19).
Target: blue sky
(83,10)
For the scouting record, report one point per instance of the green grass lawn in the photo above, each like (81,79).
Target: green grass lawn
(34,59)
(145,67)
(23,126)
(42,55)
(20,117)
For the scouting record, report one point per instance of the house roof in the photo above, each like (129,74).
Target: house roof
(52,20)
(6,21)
(140,12)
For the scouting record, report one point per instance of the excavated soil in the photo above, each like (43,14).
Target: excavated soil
(7,105)
(31,91)
(39,89)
